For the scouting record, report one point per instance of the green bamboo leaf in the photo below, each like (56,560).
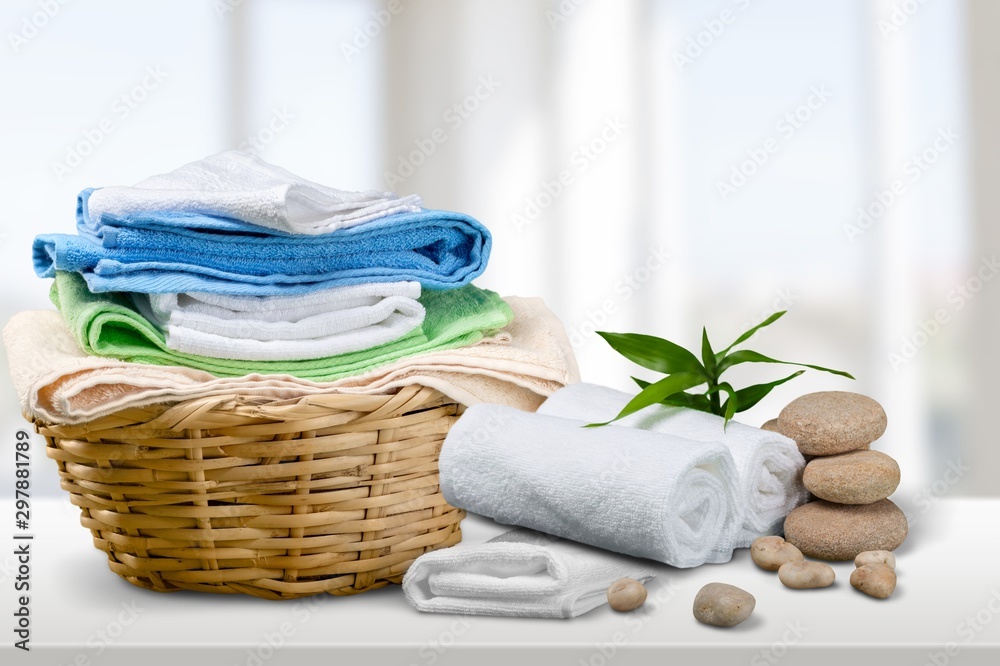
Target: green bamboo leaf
(689,400)
(707,355)
(747,356)
(751,395)
(656,392)
(653,353)
(746,336)
(729,409)
(681,399)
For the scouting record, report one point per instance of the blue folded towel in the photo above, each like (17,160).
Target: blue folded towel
(169,252)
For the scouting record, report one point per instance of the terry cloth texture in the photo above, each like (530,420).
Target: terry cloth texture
(57,382)
(628,491)
(521,573)
(169,252)
(108,325)
(241,186)
(769,465)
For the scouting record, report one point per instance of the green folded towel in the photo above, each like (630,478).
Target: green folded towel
(107,324)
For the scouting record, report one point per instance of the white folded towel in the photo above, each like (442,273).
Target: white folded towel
(277,328)
(633,492)
(241,186)
(521,573)
(769,465)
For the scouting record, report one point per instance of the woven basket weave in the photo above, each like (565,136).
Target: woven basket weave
(276,499)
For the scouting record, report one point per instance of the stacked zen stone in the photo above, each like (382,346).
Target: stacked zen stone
(834,431)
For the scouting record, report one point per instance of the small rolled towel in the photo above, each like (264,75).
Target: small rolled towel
(281,328)
(769,465)
(109,325)
(163,253)
(241,186)
(628,491)
(521,573)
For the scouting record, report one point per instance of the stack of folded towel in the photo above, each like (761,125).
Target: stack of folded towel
(234,267)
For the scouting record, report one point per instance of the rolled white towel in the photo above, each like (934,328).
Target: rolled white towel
(769,464)
(633,492)
(273,328)
(521,573)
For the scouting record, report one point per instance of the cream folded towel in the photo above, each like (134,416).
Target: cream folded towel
(769,465)
(629,491)
(241,186)
(280,328)
(521,573)
(57,383)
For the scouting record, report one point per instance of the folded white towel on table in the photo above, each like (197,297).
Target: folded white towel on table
(56,382)
(241,186)
(769,465)
(280,328)
(629,491)
(521,573)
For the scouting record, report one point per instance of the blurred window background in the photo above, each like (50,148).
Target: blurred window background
(644,166)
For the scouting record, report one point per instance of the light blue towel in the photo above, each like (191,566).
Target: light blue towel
(180,252)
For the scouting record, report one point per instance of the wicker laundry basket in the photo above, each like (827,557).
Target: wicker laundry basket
(276,499)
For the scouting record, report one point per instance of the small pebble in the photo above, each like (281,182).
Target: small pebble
(876,557)
(626,594)
(770,552)
(722,605)
(806,575)
(875,580)
(831,422)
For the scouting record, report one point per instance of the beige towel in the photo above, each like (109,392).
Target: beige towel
(57,383)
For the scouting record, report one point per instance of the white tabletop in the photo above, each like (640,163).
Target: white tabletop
(948,577)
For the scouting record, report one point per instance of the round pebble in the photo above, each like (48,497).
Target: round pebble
(829,531)
(858,477)
(806,575)
(626,594)
(875,580)
(722,605)
(771,425)
(876,557)
(831,422)
(770,552)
